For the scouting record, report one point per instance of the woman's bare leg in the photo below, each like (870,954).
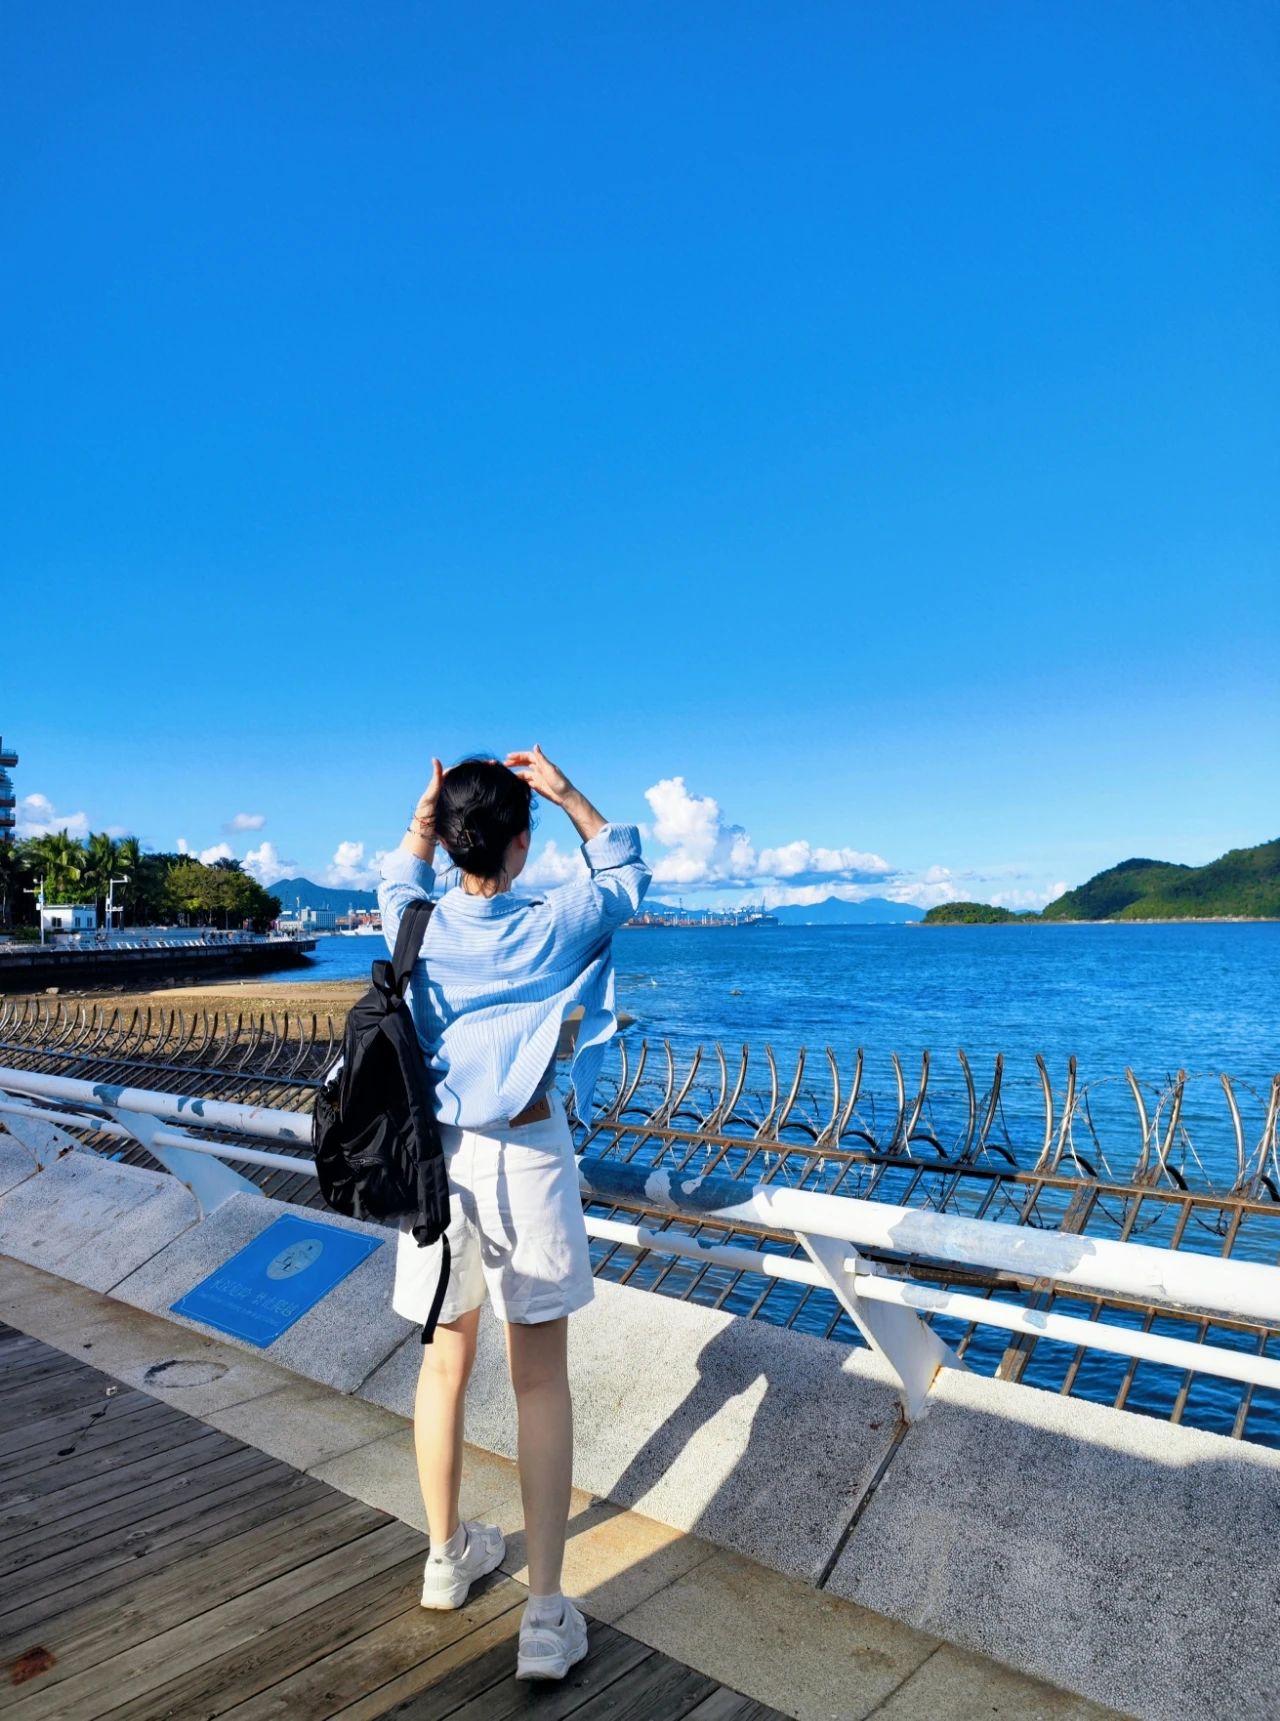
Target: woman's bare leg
(437,1421)
(540,1375)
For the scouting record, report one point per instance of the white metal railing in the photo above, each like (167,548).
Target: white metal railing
(182,1132)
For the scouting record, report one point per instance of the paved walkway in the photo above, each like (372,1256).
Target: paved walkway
(155,1567)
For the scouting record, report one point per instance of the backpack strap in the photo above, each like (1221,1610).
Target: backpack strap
(413,926)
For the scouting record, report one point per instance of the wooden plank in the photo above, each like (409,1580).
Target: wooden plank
(47,1431)
(103,1628)
(155,1659)
(112,1517)
(25,1357)
(213,1687)
(22,1500)
(396,1659)
(41,1369)
(726,1705)
(73,1582)
(132,1541)
(486,1689)
(17,1350)
(67,1389)
(98,1495)
(418,1676)
(659,1686)
(114,1421)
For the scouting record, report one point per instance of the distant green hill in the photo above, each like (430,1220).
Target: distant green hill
(971,914)
(302,893)
(1245,883)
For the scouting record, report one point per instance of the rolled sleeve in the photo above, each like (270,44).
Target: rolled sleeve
(404,879)
(398,866)
(612,845)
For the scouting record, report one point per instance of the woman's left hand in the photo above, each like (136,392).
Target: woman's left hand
(430,796)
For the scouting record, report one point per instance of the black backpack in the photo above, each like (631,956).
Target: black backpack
(373,1131)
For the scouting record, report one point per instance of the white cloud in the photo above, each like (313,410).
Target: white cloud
(706,853)
(349,867)
(1029,898)
(38,817)
(245,822)
(219,851)
(265,864)
(553,865)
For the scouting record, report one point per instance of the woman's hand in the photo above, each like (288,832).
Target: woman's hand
(420,838)
(430,796)
(550,782)
(541,775)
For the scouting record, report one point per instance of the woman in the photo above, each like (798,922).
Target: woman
(495,978)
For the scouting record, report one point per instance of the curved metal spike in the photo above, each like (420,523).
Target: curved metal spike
(794,1093)
(855,1090)
(1046,1090)
(897,1138)
(1164,1146)
(971,1109)
(1142,1168)
(766,1122)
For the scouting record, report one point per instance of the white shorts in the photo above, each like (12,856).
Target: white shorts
(516,1231)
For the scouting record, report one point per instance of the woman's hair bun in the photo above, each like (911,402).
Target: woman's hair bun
(482,806)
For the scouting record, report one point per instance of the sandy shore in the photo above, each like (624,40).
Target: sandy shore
(250,997)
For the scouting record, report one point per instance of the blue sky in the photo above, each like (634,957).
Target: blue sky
(845,436)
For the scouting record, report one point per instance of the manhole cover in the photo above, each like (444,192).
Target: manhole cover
(183,1371)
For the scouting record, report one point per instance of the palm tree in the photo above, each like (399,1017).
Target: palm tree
(101,859)
(59,859)
(129,865)
(11,877)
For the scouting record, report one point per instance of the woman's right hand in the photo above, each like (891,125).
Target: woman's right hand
(544,778)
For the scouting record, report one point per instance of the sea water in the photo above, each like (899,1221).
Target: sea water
(1154,999)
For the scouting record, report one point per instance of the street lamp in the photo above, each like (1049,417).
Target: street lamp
(111,897)
(39,896)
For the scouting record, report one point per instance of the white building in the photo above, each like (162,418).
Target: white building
(318,919)
(69,917)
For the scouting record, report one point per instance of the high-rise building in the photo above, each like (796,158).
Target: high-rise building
(8,802)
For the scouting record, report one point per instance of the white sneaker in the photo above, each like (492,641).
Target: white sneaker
(446,1580)
(549,1651)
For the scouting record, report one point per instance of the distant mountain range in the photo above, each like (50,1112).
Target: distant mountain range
(1243,884)
(874,911)
(300,892)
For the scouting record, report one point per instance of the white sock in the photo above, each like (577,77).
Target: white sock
(545,1610)
(454,1548)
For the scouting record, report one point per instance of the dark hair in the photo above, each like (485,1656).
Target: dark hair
(482,807)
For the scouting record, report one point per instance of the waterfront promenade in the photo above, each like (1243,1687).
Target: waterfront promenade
(256,1553)
(144,959)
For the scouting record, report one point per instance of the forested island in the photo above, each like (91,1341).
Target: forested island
(1243,884)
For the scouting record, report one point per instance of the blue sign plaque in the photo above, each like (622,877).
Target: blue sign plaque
(272,1282)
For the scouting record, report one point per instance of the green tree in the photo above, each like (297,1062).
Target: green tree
(59,860)
(129,861)
(13,879)
(101,863)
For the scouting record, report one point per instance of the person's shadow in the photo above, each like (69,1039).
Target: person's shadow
(815,1440)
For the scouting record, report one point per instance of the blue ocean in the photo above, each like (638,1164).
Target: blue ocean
(1156,999)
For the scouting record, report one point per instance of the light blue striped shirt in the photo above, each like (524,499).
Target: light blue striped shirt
(497,974)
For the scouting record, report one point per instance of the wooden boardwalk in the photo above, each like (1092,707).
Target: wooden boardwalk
(152,1567)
